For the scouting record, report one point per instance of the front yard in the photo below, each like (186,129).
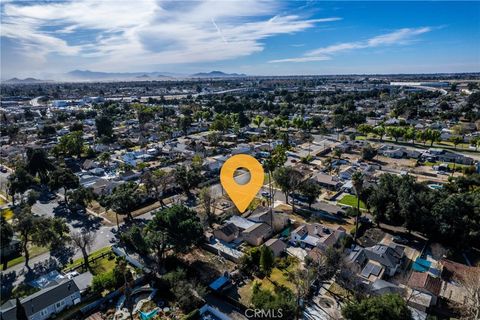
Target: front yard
(351,200)
(101,261)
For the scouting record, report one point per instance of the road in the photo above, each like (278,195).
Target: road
(104,235)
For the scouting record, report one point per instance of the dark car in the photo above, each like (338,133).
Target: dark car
(400,240)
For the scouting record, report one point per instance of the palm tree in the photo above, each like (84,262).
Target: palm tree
(357,181)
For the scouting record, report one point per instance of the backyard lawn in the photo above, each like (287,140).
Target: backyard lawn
(277,277)
(351,200)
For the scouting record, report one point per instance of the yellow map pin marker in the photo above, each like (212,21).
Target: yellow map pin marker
(242,194)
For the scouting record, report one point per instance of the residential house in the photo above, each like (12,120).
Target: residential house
(327,181)
(277,246)
(316,235)
(264,214)
(453,276)
(434,154)
(327,208)
(44,303)
(227,232)
(240,222)
(257,234)
(376,262)
(425,283)
(347,173)
(104,186)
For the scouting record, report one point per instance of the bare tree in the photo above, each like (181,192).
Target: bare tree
(470,281)
(207,202)
(303,280)
(83,240)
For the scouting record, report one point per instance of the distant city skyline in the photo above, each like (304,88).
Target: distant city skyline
(46,39)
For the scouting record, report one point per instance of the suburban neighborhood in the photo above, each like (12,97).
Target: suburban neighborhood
(239,160)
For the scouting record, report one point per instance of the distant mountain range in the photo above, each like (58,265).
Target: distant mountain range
(26,80)
(87,75)
(218,74)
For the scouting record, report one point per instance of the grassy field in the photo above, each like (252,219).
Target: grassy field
(351,200)
(102,265)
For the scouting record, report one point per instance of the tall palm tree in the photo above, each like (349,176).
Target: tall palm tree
(357,181)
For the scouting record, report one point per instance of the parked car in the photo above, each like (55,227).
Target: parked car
(400,240)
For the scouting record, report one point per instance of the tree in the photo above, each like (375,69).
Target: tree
(470,281)
(158,181)
(187,178)
(51,232)
(84,241)
(357,181)
(19,182)
(104,125)
(124,199)
(456,140)
(276,159)
(6,234)
(63,178)
(104,158)
(365,129)
(71,144)
(310,190)
(395,132)
(368,152)
(38,163)
(176,228)
(41,231)
(337,153)
(82,196)
(184,123)
(207,202)
(433,136)
(388,306)
(410,134)
(288,179)
(281,299)
(258,120)
(25,225)
(266,260)
(379,131)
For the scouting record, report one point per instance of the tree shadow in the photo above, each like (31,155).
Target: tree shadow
(7,281)
(81,221)
(63,254)
(41,268)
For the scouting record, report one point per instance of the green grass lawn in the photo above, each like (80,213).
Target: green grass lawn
(33,250)
(277,277)
(102,265)
(351,200)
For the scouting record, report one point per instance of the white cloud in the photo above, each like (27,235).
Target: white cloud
(111,34)
(398,37)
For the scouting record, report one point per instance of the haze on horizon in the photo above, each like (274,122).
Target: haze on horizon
(48,39)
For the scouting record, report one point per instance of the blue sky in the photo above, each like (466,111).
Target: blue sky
(46,38)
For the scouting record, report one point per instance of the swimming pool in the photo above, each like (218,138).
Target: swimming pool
(421,265)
